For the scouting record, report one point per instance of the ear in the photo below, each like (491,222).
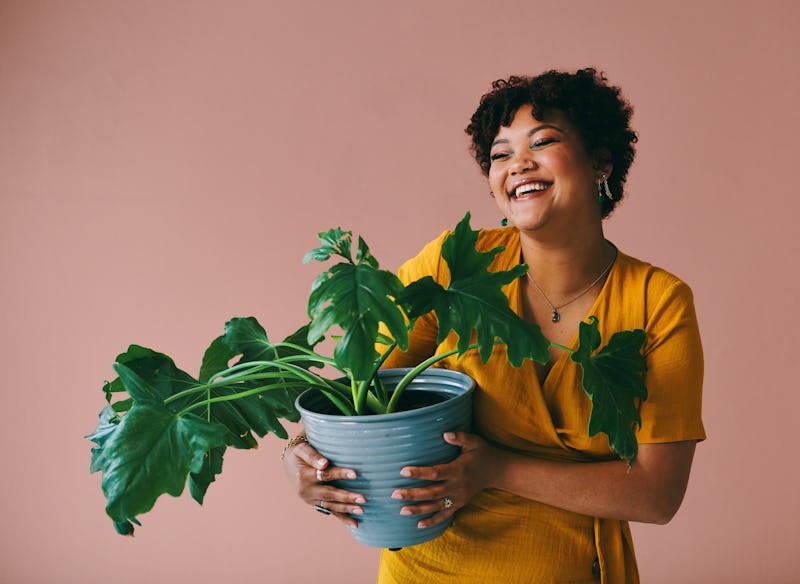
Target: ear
(602,163)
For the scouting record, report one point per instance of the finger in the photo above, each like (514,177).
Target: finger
(463,439)
(340,507)
(333,473)
(429,493)
(306,453)
(439,510)
(335,499)
(434,519)
(429,473)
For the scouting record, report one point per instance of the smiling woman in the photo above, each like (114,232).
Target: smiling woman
(536,495)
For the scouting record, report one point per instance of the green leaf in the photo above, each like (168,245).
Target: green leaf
(212,466)
(357,298)
(109,420)
(215,359)
(334,242)
(473,304)
(364,256)
(159,372)
(614,381)
(150,453)
(247,337)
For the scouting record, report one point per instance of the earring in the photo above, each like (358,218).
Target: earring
(503,222)
(603,190)
(491,194)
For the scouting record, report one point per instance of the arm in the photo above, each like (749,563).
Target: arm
(651,492)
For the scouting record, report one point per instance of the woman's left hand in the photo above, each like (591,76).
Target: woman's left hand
(456,481)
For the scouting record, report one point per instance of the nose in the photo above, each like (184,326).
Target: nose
(522,162)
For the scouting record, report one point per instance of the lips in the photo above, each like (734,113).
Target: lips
(529,189)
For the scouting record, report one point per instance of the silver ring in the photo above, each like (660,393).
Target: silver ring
(448,502)
(321,508)
(319,475)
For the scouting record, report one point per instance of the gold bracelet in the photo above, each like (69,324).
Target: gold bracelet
(299,439)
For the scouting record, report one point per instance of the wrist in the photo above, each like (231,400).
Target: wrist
(299,439)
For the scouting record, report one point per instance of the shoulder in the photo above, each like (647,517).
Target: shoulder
(429,261)
(653,299)
(653,281)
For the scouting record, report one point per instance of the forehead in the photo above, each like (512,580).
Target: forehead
(523,117)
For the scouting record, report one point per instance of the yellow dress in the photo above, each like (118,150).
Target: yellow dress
(503,538)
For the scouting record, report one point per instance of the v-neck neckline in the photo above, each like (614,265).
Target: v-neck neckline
(546,385)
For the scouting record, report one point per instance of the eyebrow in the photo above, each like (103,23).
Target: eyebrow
(532,132)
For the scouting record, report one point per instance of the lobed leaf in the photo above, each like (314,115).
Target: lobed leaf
(149,453)
(473,305)
(357,297)
(614,381)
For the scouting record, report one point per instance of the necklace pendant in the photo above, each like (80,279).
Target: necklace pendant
(556,316)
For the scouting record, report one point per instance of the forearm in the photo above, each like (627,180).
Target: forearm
(651,492)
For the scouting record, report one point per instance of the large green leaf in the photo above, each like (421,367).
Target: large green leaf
(613,379)
(473,304)
(357,297)
(149,453)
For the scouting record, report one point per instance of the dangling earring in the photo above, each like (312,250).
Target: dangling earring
(504,222)
(603,190)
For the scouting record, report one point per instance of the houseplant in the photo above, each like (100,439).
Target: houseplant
(162,427)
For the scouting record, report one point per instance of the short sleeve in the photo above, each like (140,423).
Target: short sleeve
(674,379)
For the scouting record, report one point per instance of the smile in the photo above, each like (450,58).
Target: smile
(530,188)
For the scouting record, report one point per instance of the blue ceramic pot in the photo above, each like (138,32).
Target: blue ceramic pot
(378,446)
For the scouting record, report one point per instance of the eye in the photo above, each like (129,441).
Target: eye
(542,142)
(498,156)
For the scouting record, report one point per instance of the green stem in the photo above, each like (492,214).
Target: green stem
(256,390)
(562,347)
(252,373)
(411,375)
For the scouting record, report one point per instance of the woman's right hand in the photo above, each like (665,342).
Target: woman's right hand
(309,473)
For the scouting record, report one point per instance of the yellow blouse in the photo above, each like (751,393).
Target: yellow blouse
(500,537)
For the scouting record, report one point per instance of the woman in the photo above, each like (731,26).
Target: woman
(534,498)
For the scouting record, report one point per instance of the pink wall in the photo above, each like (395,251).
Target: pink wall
(165,165)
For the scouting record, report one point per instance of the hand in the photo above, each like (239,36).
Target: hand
(309,472)
(456,481)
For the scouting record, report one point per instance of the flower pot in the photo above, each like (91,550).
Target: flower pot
(378,446)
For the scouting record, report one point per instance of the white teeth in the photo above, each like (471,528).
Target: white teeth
(529,187)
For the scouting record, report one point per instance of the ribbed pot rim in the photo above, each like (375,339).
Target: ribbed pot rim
(456,384)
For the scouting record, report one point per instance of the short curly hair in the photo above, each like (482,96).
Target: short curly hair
(597,109)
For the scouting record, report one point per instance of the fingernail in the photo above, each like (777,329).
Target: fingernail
(405,472)
(397,495)
(449,436)
(421,525)
(321,463)
(358,511)
(360,499)
(351,475)
(405,511)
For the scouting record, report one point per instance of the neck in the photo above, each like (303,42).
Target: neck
(566,266)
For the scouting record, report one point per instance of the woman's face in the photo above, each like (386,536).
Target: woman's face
(541,174)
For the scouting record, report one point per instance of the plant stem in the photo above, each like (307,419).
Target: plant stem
(409,377)
(562,347)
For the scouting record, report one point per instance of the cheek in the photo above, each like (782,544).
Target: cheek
(496,179)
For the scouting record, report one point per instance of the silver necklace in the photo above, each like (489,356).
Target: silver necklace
(556,315)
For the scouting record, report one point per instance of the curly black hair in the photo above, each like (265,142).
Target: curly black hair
(597,109)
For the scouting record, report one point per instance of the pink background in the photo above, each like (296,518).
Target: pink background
(165,165)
